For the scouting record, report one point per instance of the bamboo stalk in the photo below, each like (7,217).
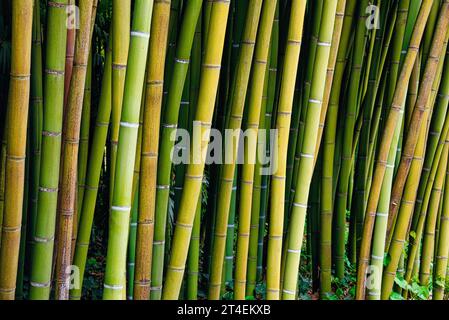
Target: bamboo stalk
(416,119)
(121,23)
(150,145)
(385,144)
(241,80)
(170,121)
(126,152)
(42,252)
(95,163)
(195,169)
(306,162)
(442,251)
(276,223)
(17,117)
(70,151)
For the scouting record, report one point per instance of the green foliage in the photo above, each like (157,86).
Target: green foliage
(415,290)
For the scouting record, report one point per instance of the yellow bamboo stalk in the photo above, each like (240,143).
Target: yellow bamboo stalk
(150,146)
(210,74)
(17,117)
(276,223)
(241,80)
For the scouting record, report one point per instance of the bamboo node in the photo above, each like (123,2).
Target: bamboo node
(307,155)
(115,287)
(15,158)
(121,208)
(182,61)
(315,101)
(300,205)
(191,177)
(11,229)
(129,124)
(142,283)
(184,225)
(40,284)
(55,72)
(324,44)
(19,76)
(50,134)
(158,288)
(294,251)
(156,83)
(54,4)
(244,235)
(289,292)
(48,190)
(211,66)
(262,62)
(43,240)
(140,34)
(176,269)
(294,42)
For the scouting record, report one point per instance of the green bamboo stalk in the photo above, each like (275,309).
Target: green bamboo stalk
(2,178)
(237,103)
(195,169)
(194,256)
(169,125)
(94,166)
(352,108)
(276,224)
(175,10)
(343,21)
(331,124)
(385,144)
(129,123)
(442,251)
(193,260)
(428,244)
(42,252)
(150,146)
(70,147)
(121,22)
(416,119)
(20,294)
(306,162)
(36,112)
(424,105)
(262,140)
(131,255)
(271,96)
(420,210)
(336,38)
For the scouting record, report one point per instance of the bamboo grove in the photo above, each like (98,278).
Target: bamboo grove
(314,139)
